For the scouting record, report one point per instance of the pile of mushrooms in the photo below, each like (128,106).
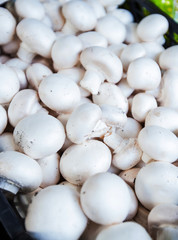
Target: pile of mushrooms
(88,120)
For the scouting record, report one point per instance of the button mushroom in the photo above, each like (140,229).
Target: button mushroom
(19,172)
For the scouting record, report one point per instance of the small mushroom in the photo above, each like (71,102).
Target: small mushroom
(158,143)
(9,83)
(163,219)
(130,53)
(168,58)
(152,27)
(36,37)
(50,170)
(7,26)
(163,117)
(59,93)
(58,209)
(3,119)
(105,198)
(39,135)
(7,142)
(142,103)
(93,38)
(111,28)
(85,122)
(79,162)
(124,15)
(157,183)
(30,9)
(100,64)
(110,94)
(36,73)
(19,172)
(143,74)
(65,51)
(23,104)
(125,231)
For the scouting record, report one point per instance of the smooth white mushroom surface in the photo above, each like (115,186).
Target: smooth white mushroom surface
(58,209)
(89,97)
(39,135)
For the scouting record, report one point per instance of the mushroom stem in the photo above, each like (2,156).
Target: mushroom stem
(92,81)
(99,130)
(25,53)
(9,185)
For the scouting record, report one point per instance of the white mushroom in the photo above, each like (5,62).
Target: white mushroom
(9,84)
(79,162)
(111,28)
(142,103)
(158,143)
(105,198)
(83,17)
(152,27)
(161,218)
(59,93)
(130,130)
(112,139)
(7,26)
(65,51)
(130,53)
(50,170)
(110,94)
(164,117)
(58,209)
(12,46)
(36,73)
(168,90)
(157,183)
(3,119)
(168,58)
(133,204)
(23,104)
(7,142)
(97,7)
(143,74)
(100,64)
(124,231)
(17,63)
(36,37)
(39,135)
(19,172)
(124,15)
(131,33)
(117,48)
(127,154)
(125,88)
(85,122)
(153,49)
(30,9)
(93,38)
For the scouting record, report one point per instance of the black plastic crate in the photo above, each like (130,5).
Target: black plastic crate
(11,224)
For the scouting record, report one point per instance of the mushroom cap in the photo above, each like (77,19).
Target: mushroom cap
(157,183)
(169,58)
(39,135)
(92,38)
(3,119)
(7,26)
(111,94)
(124,15)
(143,74)
(65,51)
(36,35)
(159,143)
(30,9)
(102,60)
(79,162)
(105,198)
(83,16)
(151,27)
(111,28)
(82,121)
(7,142)
(59,93)
(58,209)
(125,231)
(9,83)
(23,104)
(20,171)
